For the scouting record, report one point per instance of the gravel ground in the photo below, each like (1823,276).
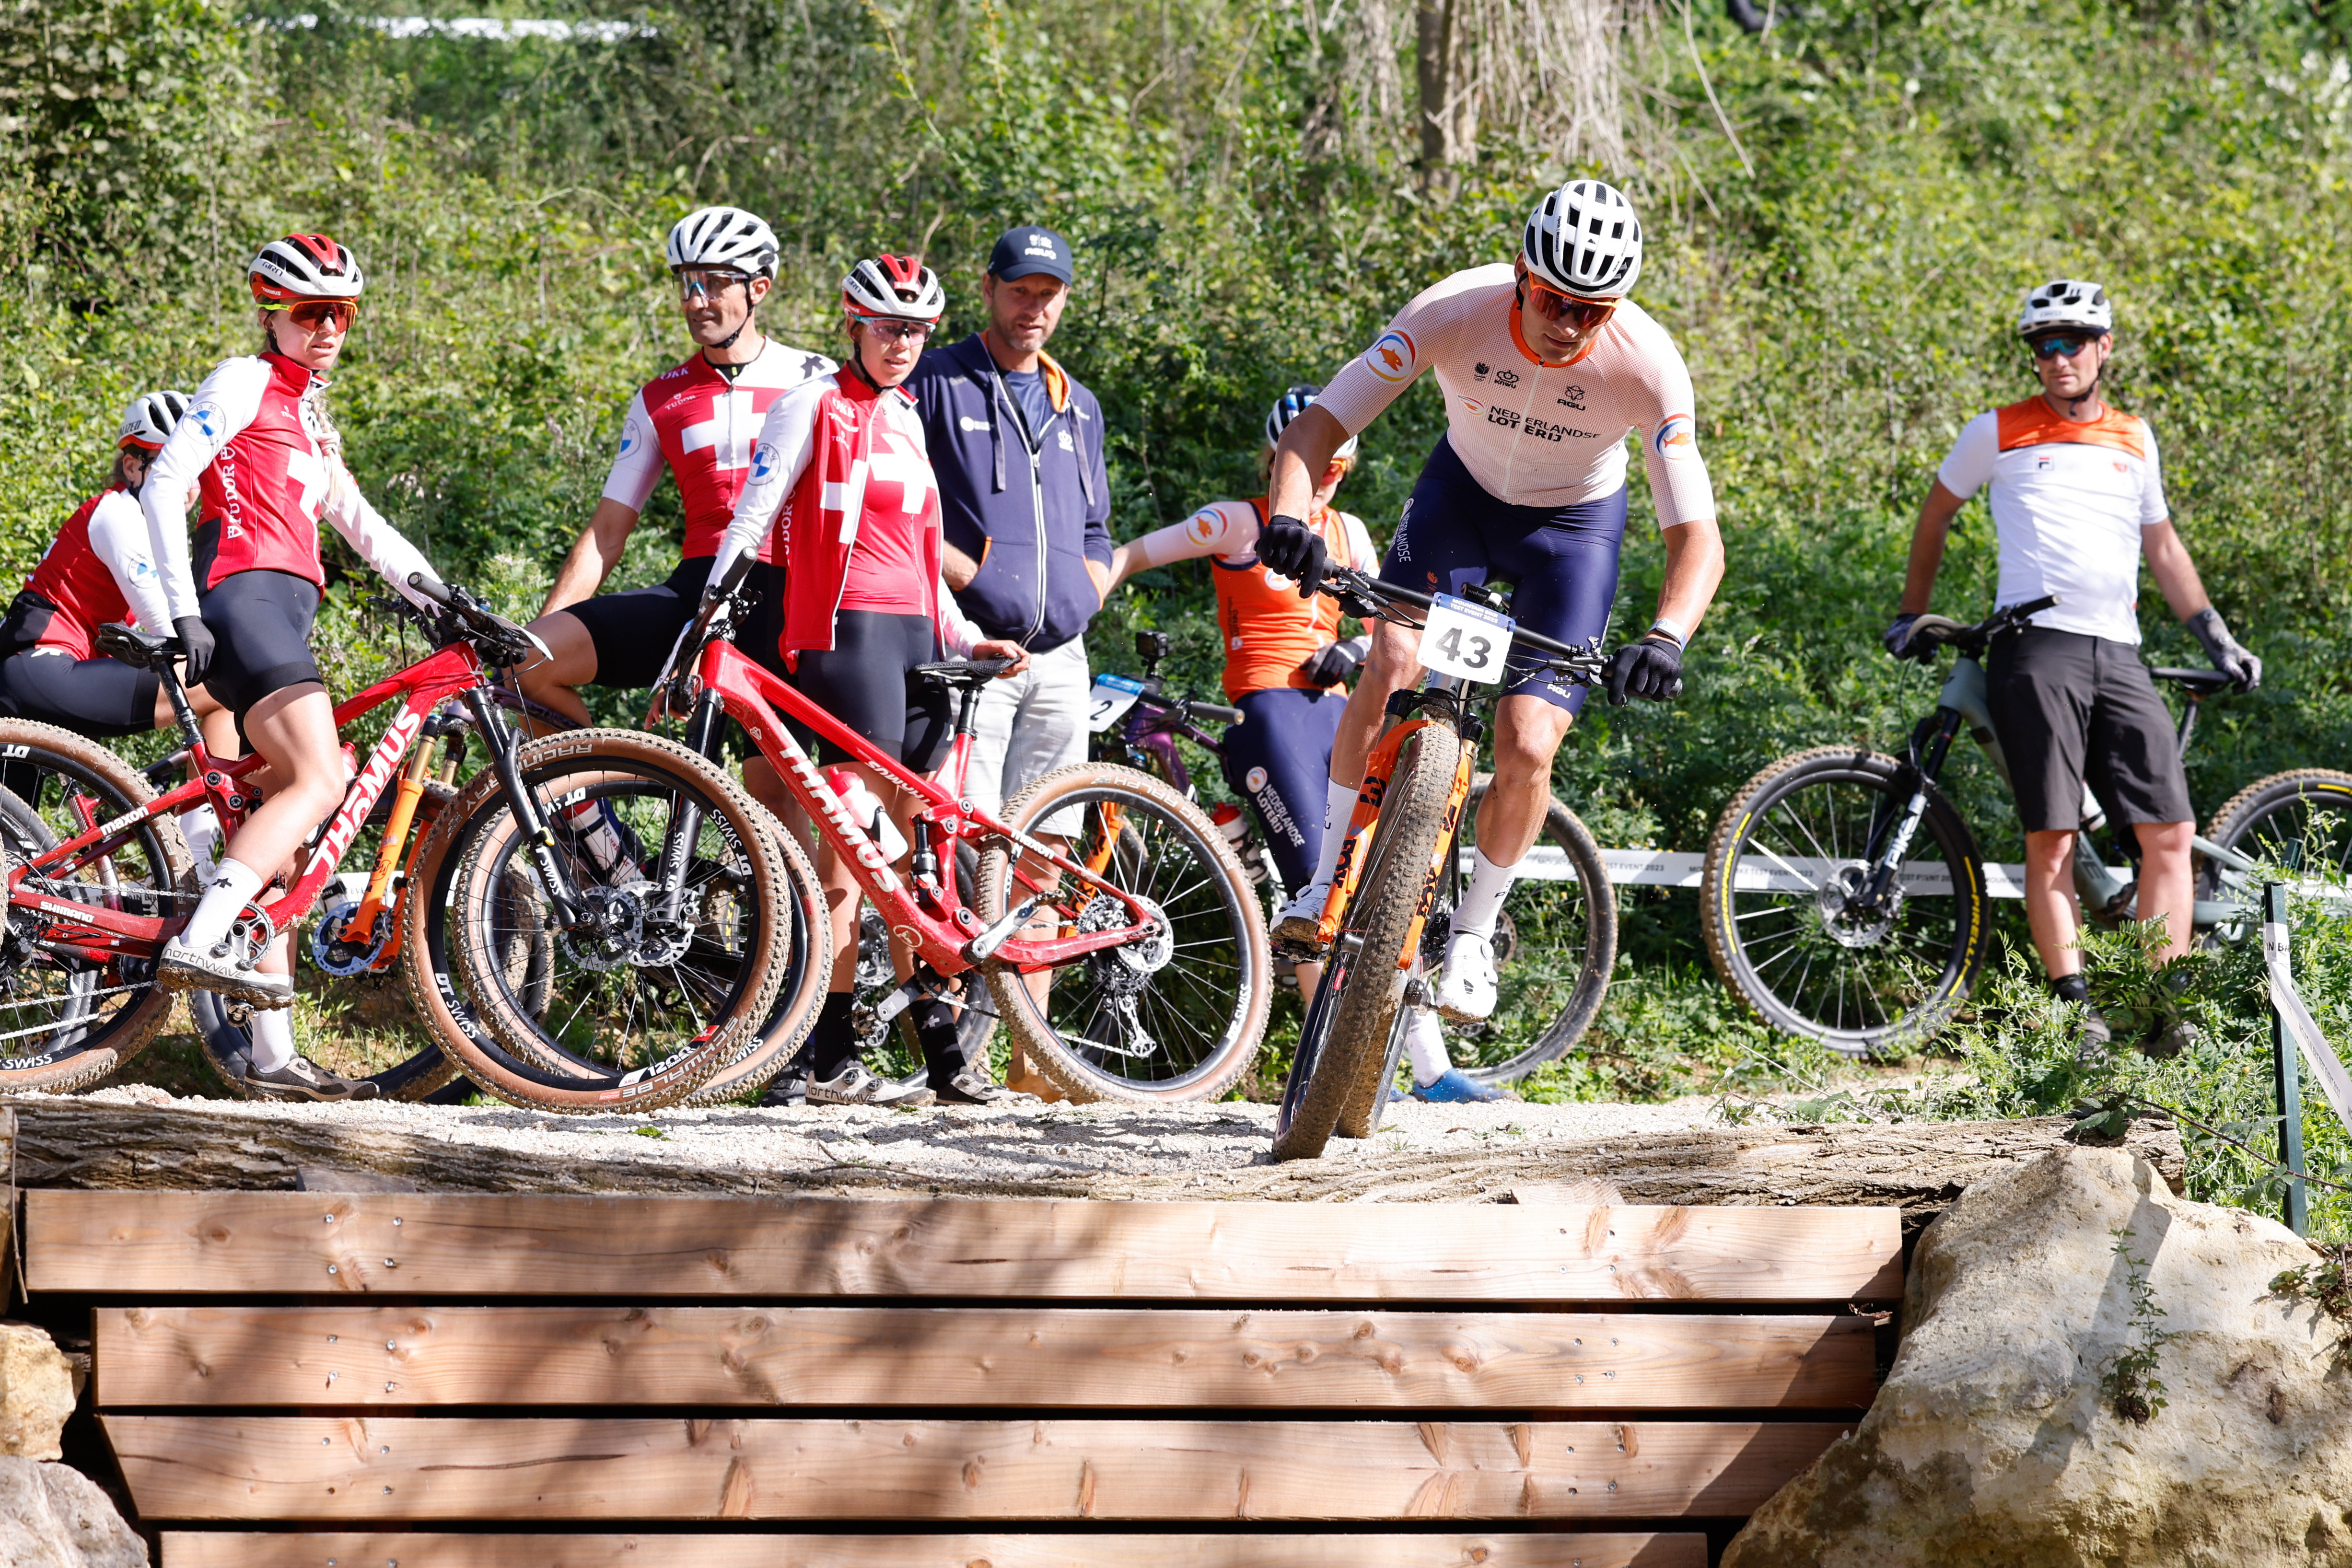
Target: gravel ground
(1027,1145)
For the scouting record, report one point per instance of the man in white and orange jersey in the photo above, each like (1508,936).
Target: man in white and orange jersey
(1545,367)
(699,420)
(2077,498)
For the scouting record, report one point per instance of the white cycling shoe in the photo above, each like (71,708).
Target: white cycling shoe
(1303,915)
(1465,990)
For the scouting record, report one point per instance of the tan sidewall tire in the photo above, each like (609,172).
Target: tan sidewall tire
(766,1055)
(136,1032)
(746,819)
(2260,799)
(1018,1012)
(1396,873)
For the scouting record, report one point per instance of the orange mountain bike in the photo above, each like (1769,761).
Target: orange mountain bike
(1395,859)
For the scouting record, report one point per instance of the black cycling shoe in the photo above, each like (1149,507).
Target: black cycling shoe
(789,1087)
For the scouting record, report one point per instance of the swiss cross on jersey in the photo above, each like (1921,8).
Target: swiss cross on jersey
(261,498)
(896,477)
(706,425)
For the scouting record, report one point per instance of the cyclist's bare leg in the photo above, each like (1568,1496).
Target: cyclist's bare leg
(2051,912)
(294,731)
(841,889)
(765,785)
(571,661)
(1527,732)
(2164,883)
(1392,667)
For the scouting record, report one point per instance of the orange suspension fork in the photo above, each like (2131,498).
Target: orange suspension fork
(361,927)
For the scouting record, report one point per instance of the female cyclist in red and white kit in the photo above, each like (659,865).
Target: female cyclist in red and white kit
(269,463)
(1282,659)
(841,481)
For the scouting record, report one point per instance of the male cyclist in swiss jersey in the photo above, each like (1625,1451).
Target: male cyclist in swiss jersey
(257,445)
(842,461)
(2077,500)
(1286,669)
(1546,366)
(101,568)
(698,419)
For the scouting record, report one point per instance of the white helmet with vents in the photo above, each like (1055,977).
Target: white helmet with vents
(895,288)
(723,237)
(149,421)
(304,266)
(2067,302)
(1583,239)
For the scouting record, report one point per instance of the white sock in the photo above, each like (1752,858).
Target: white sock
(232,887)
(1482,899)
(1338,805)
(1425,1041)
(202,829)
(271,1032)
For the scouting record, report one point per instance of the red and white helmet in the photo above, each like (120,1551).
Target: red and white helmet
(304,266)
(723,237)
(1583,239)
(148,423)
(896,287)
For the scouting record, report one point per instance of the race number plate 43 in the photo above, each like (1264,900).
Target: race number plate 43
(1466,640)
(1112,696)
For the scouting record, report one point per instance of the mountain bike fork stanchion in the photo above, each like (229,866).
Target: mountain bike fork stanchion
(536,831)
(2277,956)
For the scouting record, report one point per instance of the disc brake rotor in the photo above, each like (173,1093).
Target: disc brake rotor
(1849,922)
(614,932)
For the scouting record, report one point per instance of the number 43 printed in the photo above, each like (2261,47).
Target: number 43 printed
(1466,640)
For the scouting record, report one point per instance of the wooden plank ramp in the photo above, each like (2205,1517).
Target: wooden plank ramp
(459,1244)
(493,1380)
(245,1549)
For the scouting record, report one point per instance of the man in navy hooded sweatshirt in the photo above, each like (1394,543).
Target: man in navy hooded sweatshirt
(1017,447)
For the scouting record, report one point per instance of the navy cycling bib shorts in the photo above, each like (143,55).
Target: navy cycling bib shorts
(1561,562)
(1278,758)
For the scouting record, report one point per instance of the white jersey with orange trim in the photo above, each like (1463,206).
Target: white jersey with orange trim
(1535,434)
(2069,503)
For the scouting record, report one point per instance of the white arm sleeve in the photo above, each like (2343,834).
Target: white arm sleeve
(2152,508)
(638,463)
(778,460)
(118,533)
(224,406)
(383,545)
(1969,466)
(1221,527)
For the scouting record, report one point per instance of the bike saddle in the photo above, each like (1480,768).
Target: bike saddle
(143,650)
(960,674)
(2203,683)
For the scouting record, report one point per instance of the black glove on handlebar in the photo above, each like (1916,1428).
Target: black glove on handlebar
(197,643)
(1650,669)
(1898,637)
(1292,550)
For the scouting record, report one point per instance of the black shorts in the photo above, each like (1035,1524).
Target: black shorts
(2067,707)
(97,697)
(1278,758)
(260,622)
(862,681)
(634,632)
(1561,560)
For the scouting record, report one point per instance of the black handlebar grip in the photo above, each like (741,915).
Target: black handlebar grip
(438,593)
(1214,712)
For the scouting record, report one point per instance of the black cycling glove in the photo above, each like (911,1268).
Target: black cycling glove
(2227,656)
(197,643)
(1333,663)
(1897,636)
(1650,669)
(1292,550)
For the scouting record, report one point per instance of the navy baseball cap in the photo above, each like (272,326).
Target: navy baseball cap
(1021,251)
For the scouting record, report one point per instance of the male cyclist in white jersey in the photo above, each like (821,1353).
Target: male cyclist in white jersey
(700,420)
(1546,366)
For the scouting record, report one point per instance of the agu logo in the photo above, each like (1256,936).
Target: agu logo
(1253,781)
(1392,357)
(1677,438)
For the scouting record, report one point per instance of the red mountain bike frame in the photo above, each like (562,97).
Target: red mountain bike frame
(98,934)
(923,911)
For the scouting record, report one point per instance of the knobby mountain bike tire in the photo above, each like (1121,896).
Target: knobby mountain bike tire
(1367,986)
(643,1015)
(67,1022)
(1176,1018)
(417,1076)
(808,970)
(1784,932)
(2300,823)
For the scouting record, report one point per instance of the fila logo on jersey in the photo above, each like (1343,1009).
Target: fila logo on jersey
(1390,357)
(1677,438)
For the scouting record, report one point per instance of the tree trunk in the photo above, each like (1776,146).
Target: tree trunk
(1435,66)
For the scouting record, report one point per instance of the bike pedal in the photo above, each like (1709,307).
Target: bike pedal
(1298,952)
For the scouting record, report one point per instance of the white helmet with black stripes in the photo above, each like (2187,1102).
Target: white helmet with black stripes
(148,421)
(723,237)
(2066,303)
(1583,239)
